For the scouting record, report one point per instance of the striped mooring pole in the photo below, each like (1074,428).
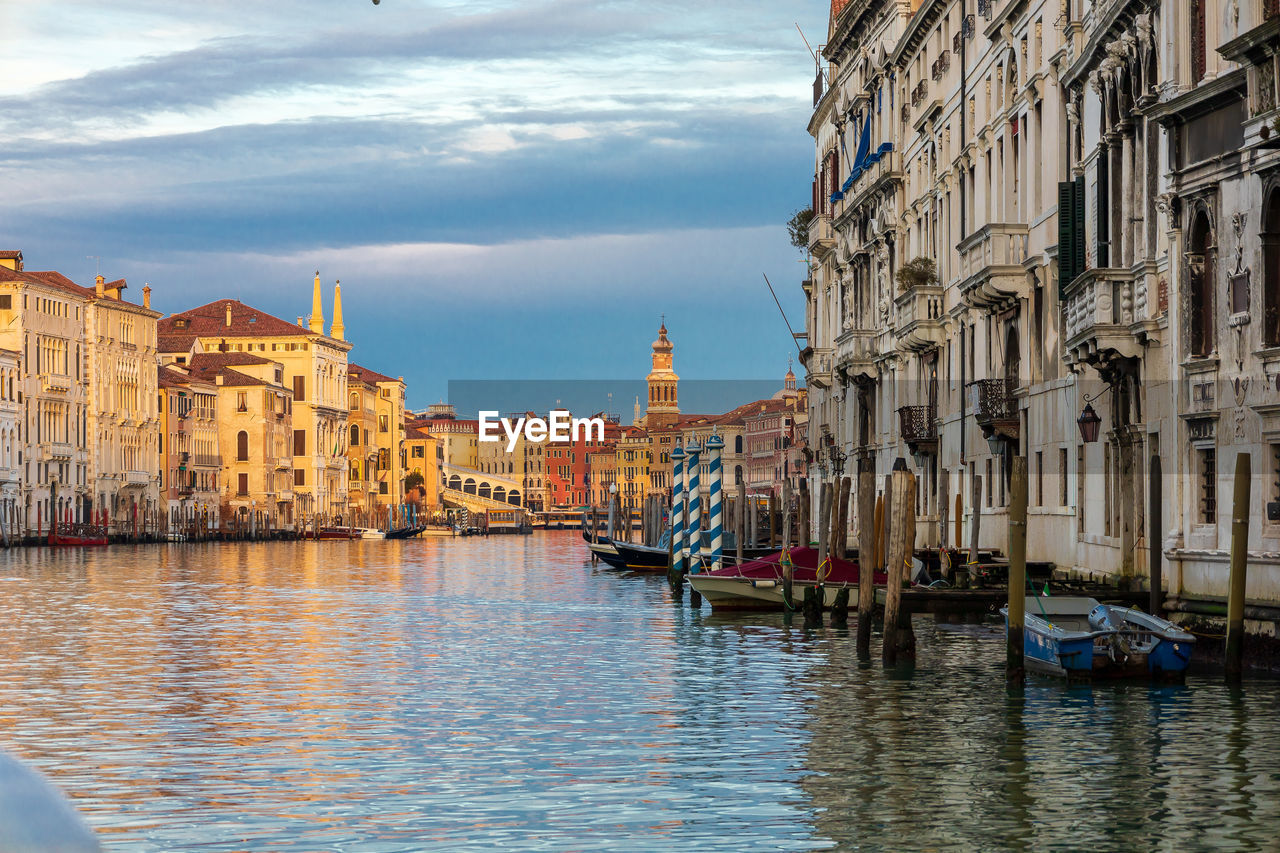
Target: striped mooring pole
(677,514)
(715,444)
(693,526)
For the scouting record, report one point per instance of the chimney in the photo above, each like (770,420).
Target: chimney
(98,283)
(338,329)
(300,323)
(228,315)
(218,379)
(316,320)
(146,296)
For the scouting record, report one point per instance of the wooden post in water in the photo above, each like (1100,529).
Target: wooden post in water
(840,509)
(899,482)
(753,522)
(787,574)
(813,595)
(1239,569)
(958,540)
(975,526)
(740,532)
(803,537)
(866,561)
(1013,668)
(1155,523)
(877,532)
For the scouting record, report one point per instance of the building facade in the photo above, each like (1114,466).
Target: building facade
(191,463)
(1034,217)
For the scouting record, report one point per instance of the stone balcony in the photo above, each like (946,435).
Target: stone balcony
(919,428)
(1099,312)
(59,451)
(856,352)
(995,408)
(818,367)
(822,236)
(55,383)
(991,271)
(919,325)
(137,478)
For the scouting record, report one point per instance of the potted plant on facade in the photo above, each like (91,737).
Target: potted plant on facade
(917,272)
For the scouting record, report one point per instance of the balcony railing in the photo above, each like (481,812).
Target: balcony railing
(919,428)
(919,323)
(58,450)
(994,407)
(856,352)
(991,268)
(55,382)
(206,460)
(137,478)
(822,235)
(1098,309)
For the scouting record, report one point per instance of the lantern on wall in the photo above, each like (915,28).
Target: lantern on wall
(1089,423)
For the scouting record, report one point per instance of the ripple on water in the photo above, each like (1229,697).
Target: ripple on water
(464,694)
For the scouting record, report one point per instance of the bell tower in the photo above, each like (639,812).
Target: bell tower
(664,404)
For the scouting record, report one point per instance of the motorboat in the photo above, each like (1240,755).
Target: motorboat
(758,584)
(1075,637)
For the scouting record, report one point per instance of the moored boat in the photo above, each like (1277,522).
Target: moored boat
(370,533)
(77,535)
(758,584)
(1077,638)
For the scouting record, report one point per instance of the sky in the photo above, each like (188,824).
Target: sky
(506,190)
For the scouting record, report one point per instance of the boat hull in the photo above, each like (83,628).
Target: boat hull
(729,593)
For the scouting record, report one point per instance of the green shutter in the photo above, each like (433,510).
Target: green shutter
(1066,235)
(1079,265)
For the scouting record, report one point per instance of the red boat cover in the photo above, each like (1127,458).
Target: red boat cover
(805,563)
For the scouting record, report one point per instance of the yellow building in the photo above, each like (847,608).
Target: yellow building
(422,455)
(124,421)
(314,369)
(632,470)
(191,466)
(375,438)
(42,317)
(10,419)
(255,428)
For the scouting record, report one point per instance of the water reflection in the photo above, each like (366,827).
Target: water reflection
(409,695)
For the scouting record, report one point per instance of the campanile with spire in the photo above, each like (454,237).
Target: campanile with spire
(664,404)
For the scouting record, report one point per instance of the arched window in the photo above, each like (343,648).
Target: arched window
(737,445)
(1200,278)
(1270,272)
(737,472)
(242,446)
(355,435)
(1012,358)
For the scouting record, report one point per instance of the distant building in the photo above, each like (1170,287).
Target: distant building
(10,426)
(191,464)
(381,398)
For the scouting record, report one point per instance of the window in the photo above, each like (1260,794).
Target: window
(299,389)
(1200,275)
(242,403)
(242,483)
(989,478)
(355,402)
(1198,40)
(6,302)
(242,447)
(299,476)
(1039,478)
(1208,471)
(1080,489)
(1270,271)
(382,488)
(1106,488)
(382,423)
(1062,476)
(355,436)
(299,442)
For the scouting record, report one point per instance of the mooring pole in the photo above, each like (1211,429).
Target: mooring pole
(694,564)
(813,595)
(740,519)
(1155,523)
(896,500)
(975,527)
(787,576)
(866,560)
(1239,570)
(1014,671)
(715,444)
(675,574)
(840,507)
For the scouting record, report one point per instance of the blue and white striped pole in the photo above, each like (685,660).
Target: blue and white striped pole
(677,513)
(694,526)
(715,445)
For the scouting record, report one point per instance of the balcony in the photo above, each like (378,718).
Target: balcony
(137,478)
(856,353)
(995,408)
(919,428)
(1098,313)
(822,236)
(818,366)
(57,451)
(919,326)
(205,460)
(991,268)
(55,383)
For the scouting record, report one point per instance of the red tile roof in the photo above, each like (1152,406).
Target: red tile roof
(10,254)
(366,375)
(210,321)
(175,343)
(219,360)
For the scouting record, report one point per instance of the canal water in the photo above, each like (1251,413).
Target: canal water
(465,694)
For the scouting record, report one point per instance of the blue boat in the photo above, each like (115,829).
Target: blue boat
(1077,638)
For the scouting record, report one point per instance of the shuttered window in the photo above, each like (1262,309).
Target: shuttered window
(1071,261)
(299,389)
(299,442)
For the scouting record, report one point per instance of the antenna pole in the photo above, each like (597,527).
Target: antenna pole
(783,313)
(806,44)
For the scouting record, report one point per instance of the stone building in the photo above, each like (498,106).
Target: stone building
(191,464)
(378,400)
(1047,230)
